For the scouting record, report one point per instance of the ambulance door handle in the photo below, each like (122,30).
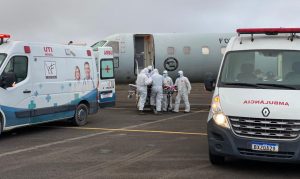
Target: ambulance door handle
(26,91)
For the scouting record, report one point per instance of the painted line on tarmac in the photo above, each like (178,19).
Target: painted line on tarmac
(162,120)
(123,108)
(51,144)
(118,108)
(84,137)
(134,130)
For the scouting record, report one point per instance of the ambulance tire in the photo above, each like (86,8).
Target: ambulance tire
(81,114)
(1,126)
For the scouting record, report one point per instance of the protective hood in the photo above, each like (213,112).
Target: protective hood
(180,73)
(155,71)
(144,71)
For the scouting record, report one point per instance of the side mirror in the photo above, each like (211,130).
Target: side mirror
(210,84)
(8,79)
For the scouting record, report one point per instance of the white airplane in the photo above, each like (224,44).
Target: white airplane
(198,55)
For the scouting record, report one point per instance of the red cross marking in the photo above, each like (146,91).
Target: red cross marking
(107,69)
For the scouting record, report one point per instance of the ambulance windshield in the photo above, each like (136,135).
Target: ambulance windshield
(2,58)
(267,69)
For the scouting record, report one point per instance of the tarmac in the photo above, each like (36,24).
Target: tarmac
(119,143)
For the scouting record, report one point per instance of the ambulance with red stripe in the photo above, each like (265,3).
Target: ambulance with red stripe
(255,107)
(42,82)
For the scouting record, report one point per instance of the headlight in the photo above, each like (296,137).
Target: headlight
(218,116)
(221,120)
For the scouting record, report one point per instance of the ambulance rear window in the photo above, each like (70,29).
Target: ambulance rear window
(2,58)
(107,69)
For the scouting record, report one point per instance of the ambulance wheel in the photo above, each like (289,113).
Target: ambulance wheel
(216,159)
(1,126)
(81,114)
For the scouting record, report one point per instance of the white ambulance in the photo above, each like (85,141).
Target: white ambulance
(105,68)
(45,82)
(255,108)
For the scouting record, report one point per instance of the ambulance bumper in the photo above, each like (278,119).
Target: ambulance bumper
(224,142)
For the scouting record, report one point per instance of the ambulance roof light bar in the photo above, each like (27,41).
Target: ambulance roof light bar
(269,31)
(2,37)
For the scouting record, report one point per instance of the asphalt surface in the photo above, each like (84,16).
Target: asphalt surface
(119,143)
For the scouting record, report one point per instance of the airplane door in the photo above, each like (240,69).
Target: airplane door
(143,51)
(149,50)
(18,103)
(139,53)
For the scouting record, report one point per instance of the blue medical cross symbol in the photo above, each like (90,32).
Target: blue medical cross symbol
(31,105)
(48,98)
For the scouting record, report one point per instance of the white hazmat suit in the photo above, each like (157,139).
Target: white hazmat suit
(142,83)
(184,88)
(157,90)
(165,102)
(149,71)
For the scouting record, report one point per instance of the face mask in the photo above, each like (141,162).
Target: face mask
(165,75)
(178,75)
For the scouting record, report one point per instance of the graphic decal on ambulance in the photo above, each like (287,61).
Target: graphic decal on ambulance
(267,102)
(85,82)
(36,113)
(50,69)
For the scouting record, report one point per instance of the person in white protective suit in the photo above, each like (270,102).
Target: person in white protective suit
(156,91)
(184,89)
(150,71)
(165,102)
(142,83)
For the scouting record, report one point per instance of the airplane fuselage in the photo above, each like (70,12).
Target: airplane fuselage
(198,55)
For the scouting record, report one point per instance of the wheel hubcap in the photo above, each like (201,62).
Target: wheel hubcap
(81,115)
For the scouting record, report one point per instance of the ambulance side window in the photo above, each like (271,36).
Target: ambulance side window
(19,66)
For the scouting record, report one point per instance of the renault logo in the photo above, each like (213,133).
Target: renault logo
(265,112)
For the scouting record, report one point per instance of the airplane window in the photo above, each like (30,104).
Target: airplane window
(186,50)
(115,46)
(205,50)
(171,50)
(116,62)
(223,49)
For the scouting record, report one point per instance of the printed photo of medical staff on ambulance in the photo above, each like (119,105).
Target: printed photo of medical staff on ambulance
(85,82)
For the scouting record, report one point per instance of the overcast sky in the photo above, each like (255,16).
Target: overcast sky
(89,21)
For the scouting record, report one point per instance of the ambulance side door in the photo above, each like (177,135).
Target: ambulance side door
(18,104)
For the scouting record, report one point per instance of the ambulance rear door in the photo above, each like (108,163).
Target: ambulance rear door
(106,76)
